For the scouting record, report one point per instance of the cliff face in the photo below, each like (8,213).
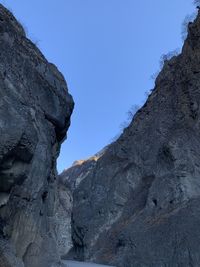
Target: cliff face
(140,204)
(69,180)
(35,110)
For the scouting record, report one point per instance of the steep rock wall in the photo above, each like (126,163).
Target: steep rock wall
(139,205)
(35,110)
(68,181)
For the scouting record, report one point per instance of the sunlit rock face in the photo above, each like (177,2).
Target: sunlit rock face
(140,204)
(35,110)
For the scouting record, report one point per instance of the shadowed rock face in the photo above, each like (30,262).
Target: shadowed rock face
(140,204)
(35,110)
(67,182)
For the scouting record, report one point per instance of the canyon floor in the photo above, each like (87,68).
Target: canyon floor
(83,264)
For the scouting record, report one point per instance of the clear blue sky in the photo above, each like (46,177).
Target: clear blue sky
(107,51)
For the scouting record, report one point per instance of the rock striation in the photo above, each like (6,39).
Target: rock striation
(139,206)
(35,110)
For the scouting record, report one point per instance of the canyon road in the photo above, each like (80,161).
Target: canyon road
(69,263)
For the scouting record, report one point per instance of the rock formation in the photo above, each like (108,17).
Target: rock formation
(139,205)
(69,180)
(35,110)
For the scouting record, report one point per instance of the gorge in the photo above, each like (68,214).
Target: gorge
(133,204)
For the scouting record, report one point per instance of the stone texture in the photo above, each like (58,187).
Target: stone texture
(69,180)
(139,206)
(63,218)
(35,110)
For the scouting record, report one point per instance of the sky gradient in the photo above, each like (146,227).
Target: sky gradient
(107,50)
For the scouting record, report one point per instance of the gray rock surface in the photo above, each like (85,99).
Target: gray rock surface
(68,181)
(139,206)
(35,110)
(62,222)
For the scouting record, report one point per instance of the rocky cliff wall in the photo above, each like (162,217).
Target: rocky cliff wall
(68,181)
(139,205)
(35,110)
